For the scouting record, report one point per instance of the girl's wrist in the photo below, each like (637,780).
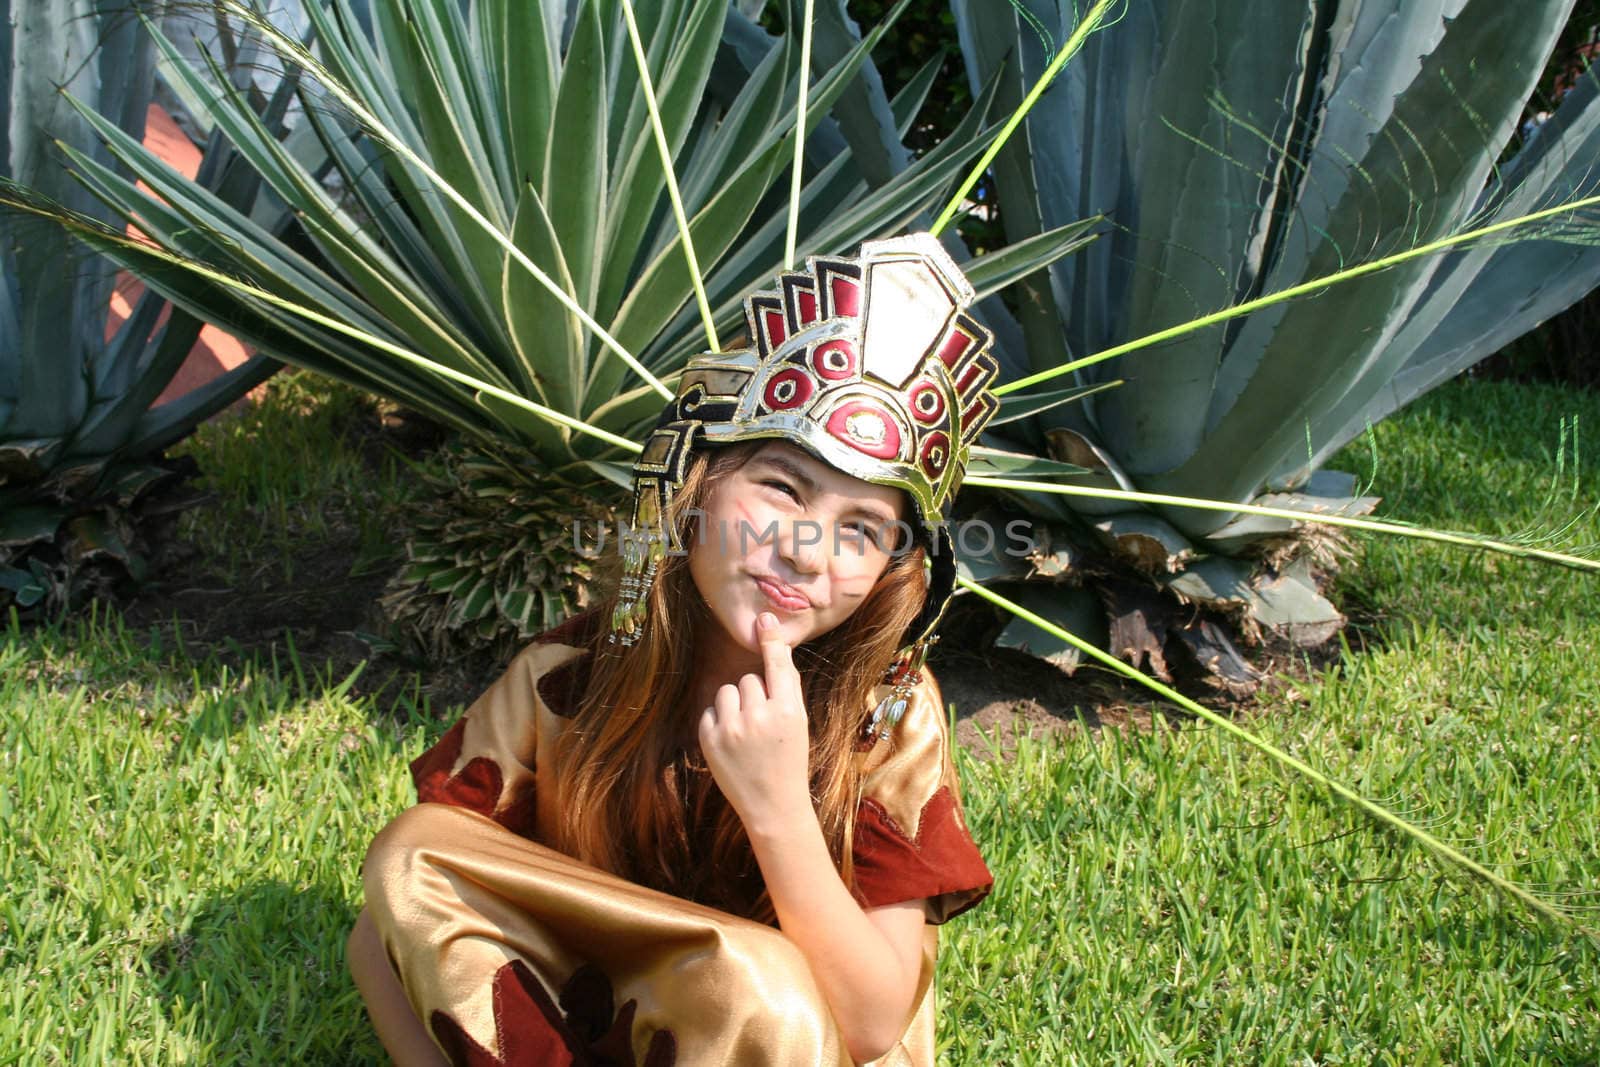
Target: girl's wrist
(780,821)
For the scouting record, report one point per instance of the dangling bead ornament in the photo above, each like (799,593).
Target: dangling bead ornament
(905,674)
(643,550)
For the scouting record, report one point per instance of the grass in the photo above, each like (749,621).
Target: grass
(181,847)
(1172,897)
(181,839)
(286,471)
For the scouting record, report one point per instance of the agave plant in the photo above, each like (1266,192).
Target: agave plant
(278,305)
(1243,152)
(506,257)
(78,436)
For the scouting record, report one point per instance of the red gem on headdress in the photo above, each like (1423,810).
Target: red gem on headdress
(808,307)
(955,346)
(978,412)
(927,404)
(846,296)
(935,453)
(777,329)
(867,428)
(834,360)
(788,389)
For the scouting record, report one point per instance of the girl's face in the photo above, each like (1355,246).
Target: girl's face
(790,534)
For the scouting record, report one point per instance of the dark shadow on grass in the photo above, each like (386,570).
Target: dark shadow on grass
(259,976)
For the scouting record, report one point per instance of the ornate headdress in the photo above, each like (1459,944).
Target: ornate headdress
(871,364)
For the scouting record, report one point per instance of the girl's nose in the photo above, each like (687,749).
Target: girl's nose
(802,548)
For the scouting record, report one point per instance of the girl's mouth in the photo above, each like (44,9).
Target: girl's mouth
(780,599)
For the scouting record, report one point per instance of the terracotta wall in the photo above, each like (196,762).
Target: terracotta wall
(214,352)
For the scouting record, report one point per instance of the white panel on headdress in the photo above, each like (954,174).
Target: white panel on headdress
(907,309)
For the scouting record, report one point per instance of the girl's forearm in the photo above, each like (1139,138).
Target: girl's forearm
(869,984)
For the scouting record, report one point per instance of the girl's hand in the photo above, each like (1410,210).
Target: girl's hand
(756,742)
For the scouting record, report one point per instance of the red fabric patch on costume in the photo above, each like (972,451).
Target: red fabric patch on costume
(431,771)
(527,1024)
(531,1029)
(561,687)
(476,787)
(891,868)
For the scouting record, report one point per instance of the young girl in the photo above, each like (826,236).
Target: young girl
(716,819)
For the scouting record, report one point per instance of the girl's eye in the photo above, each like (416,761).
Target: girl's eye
(867,530)
(782,486)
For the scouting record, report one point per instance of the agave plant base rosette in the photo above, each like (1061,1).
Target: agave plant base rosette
(1164,603)
(496,554)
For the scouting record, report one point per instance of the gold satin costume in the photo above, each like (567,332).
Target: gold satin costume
(513,953)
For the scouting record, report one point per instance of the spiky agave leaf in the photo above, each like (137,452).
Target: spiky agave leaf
(1301,170)
(477,272)
(1296,163)
(78,432)
(489,261)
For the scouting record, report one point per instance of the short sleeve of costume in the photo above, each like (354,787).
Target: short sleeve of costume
(486,761)
(911,839)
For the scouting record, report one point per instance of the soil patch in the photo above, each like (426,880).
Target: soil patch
(1001,693)
(317,607)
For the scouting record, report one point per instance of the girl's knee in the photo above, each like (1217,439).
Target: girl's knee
(401,858)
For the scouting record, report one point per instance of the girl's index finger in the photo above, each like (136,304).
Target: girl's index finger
(776,657)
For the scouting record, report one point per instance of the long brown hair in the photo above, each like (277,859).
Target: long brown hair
(635,795)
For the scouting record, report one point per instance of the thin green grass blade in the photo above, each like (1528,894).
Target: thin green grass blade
(1377,811)
(683,59)
(1419,533)
(695,276)
(1315,285)
(795,179)
(1091,22)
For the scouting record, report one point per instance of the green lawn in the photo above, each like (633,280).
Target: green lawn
(180,840)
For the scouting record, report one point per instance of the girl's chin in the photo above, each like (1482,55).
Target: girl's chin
(749,637)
